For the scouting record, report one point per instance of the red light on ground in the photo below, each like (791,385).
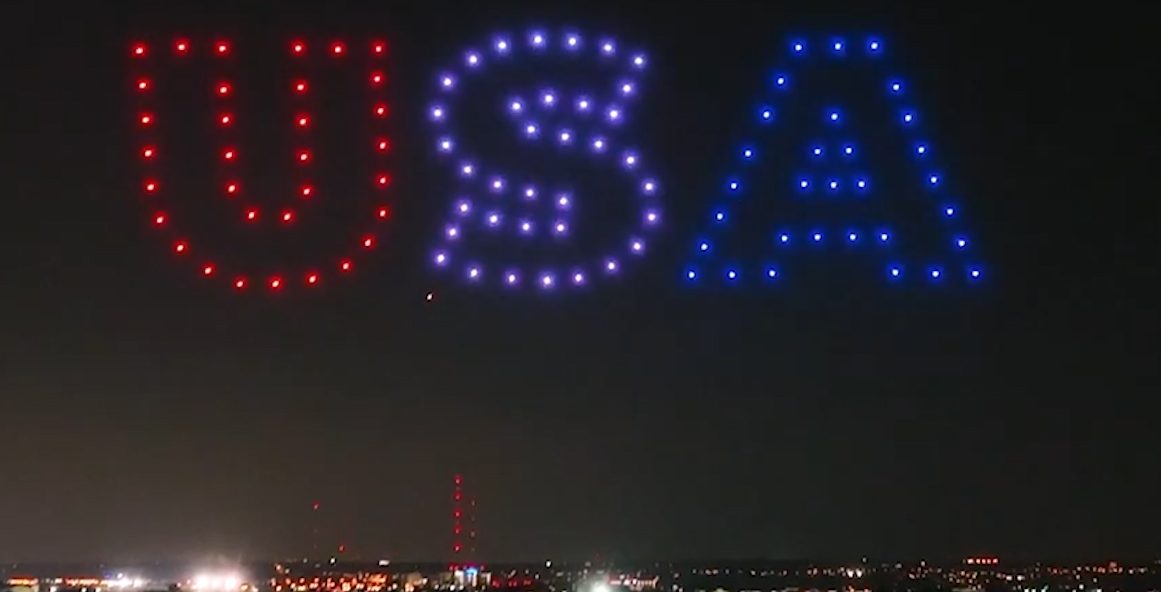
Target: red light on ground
(146,119)
(457,547)
(208,269)
(312,279)
(240,283)
(151,186)
(275,283)
(139,50)
(159,219)
(143,84)
(147,152)
(287,216)
(297,47)
(223,89)
(300,87)
(180,247)
(181,47)
(368,242)
(337,48)
(222,48)
(383,180)
(315,506)
(228,154)
(383,213)
(306,191)
(303,156)
(376,78)
(251,215)
(383,145)
(226,119)
(231,188)
(302,121)
(380,110)
(378,48)
(346,265)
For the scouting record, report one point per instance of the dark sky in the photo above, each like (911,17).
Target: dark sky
(146,415)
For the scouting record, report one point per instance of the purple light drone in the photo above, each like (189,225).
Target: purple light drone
(836,175)
(573,124)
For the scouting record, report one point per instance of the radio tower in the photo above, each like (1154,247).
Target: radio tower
(463,520)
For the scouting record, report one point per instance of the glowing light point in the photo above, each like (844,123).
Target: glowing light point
(493,220)
(748,153)
(446,145)
(627,89)
(804,184)
(530,193)
(437,113)
(452,232)
(817,151)
(599,144)
(497,184)
(838,45)
(447,81)
(537,40)
(467,170)
(565,137)
(525,227)
(464,207)
(548,98)
(630,160)
(512,279)
(338,49)
(502,45)
(896,87)
(614,114)
(516,106)
(275,283)
(779,81)
(560,228)
(208,270)
(611,265)
(921,149)
(936,274)
(853,237)
(908,117)
(933,180)
(975,274)
(637,246)
(784,238)
(949,211)
(572,42)
(472,59)
(861,183)
(734,185)
(441,258)
(766,114)
(473,273)
(771,273)
(884,237)
(240,284)
(547,280)
(608,48)
(563,201)
(817,237)
(139,50)
(961,243)
(578,278)
(584,105)
(895,272)
(732,274)
(639,61)
(704,247)
(651,217)
(691,275)
(649,187)
(873,45)
(848,150)
(531,130)
(833,116)
(798,47)
(720,216)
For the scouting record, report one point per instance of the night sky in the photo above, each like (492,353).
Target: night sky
(146,414)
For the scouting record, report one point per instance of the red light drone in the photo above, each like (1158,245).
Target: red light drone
(219,55)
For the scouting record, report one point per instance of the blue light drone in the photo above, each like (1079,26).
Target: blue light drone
(830,203)
(564,120)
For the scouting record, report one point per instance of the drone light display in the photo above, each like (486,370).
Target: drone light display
(158,64)
(515,224)
(834,177)
(582,121)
